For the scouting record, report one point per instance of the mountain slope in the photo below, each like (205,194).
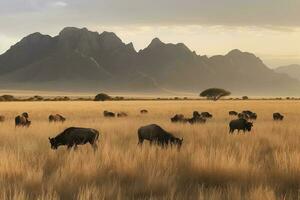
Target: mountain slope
(291,70)
(85,60)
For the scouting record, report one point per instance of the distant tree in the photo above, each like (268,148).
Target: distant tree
(214,93)
(245,97)
(102,97)
(7,97)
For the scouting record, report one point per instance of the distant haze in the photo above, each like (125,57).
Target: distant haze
(268,28)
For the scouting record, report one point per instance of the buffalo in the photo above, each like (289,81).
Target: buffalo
(56,118)
(243,116)
(2,118)
(122,114)
(156,134)
(232,113)
(22,120)
(74,136)
(206,115)
(108,114)
(178,118)
(197,119)
(278,116)
(240,124)
(144,111)
(253,116)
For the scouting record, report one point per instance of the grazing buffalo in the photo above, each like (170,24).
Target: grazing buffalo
(56,118)
(122,114)
(144,111)
(206,115)
(156,134)
(278,116)
(108,114)
(240,124)
(22,120)
(2,118)
(232,113)
(75,136)
(196,114)
(178,118)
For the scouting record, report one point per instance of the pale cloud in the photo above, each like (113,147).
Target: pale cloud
(59,4)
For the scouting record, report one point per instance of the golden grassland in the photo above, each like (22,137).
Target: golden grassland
(263,164)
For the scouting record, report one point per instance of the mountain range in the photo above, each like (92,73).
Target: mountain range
(82,60)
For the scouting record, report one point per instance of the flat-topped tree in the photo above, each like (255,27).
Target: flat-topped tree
(102,97)
(214,93)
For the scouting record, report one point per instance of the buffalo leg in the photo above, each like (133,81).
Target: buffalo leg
(140,141)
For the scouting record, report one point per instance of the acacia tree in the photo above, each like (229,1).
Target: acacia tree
(214,93)
(102,97)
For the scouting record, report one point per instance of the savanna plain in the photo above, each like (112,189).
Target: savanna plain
(212,164)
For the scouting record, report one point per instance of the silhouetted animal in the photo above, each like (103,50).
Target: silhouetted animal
(248,112)
(74,136)
(243,116)
(108,114)
(197,119)
(156,134)
(240,124)
(144,111)
(206,115)
(122,114)
(2,118)
(178,118)
(278,117)
(196,114)
(56,118)
(232,113)
(253,116)
(22,120)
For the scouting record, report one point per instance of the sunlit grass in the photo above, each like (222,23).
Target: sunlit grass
(212,164)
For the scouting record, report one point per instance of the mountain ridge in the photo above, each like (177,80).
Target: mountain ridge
(95,60)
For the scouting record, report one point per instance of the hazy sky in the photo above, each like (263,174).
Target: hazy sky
(268,28)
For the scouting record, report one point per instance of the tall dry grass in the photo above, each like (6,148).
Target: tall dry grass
(212,164)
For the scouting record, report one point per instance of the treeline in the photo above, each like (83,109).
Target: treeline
(105,97)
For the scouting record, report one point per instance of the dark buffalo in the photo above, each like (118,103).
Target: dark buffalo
(278,116)
(22,120)
(243,116)
(144,111)
(56,118)
(74,136)
(155,134)
(108,114)
(178,118)
(248,112)
(240,124)
(197,119)
(122,114)
(2,118)
(232,113)
(196,114)
(253,116)
(206,115)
